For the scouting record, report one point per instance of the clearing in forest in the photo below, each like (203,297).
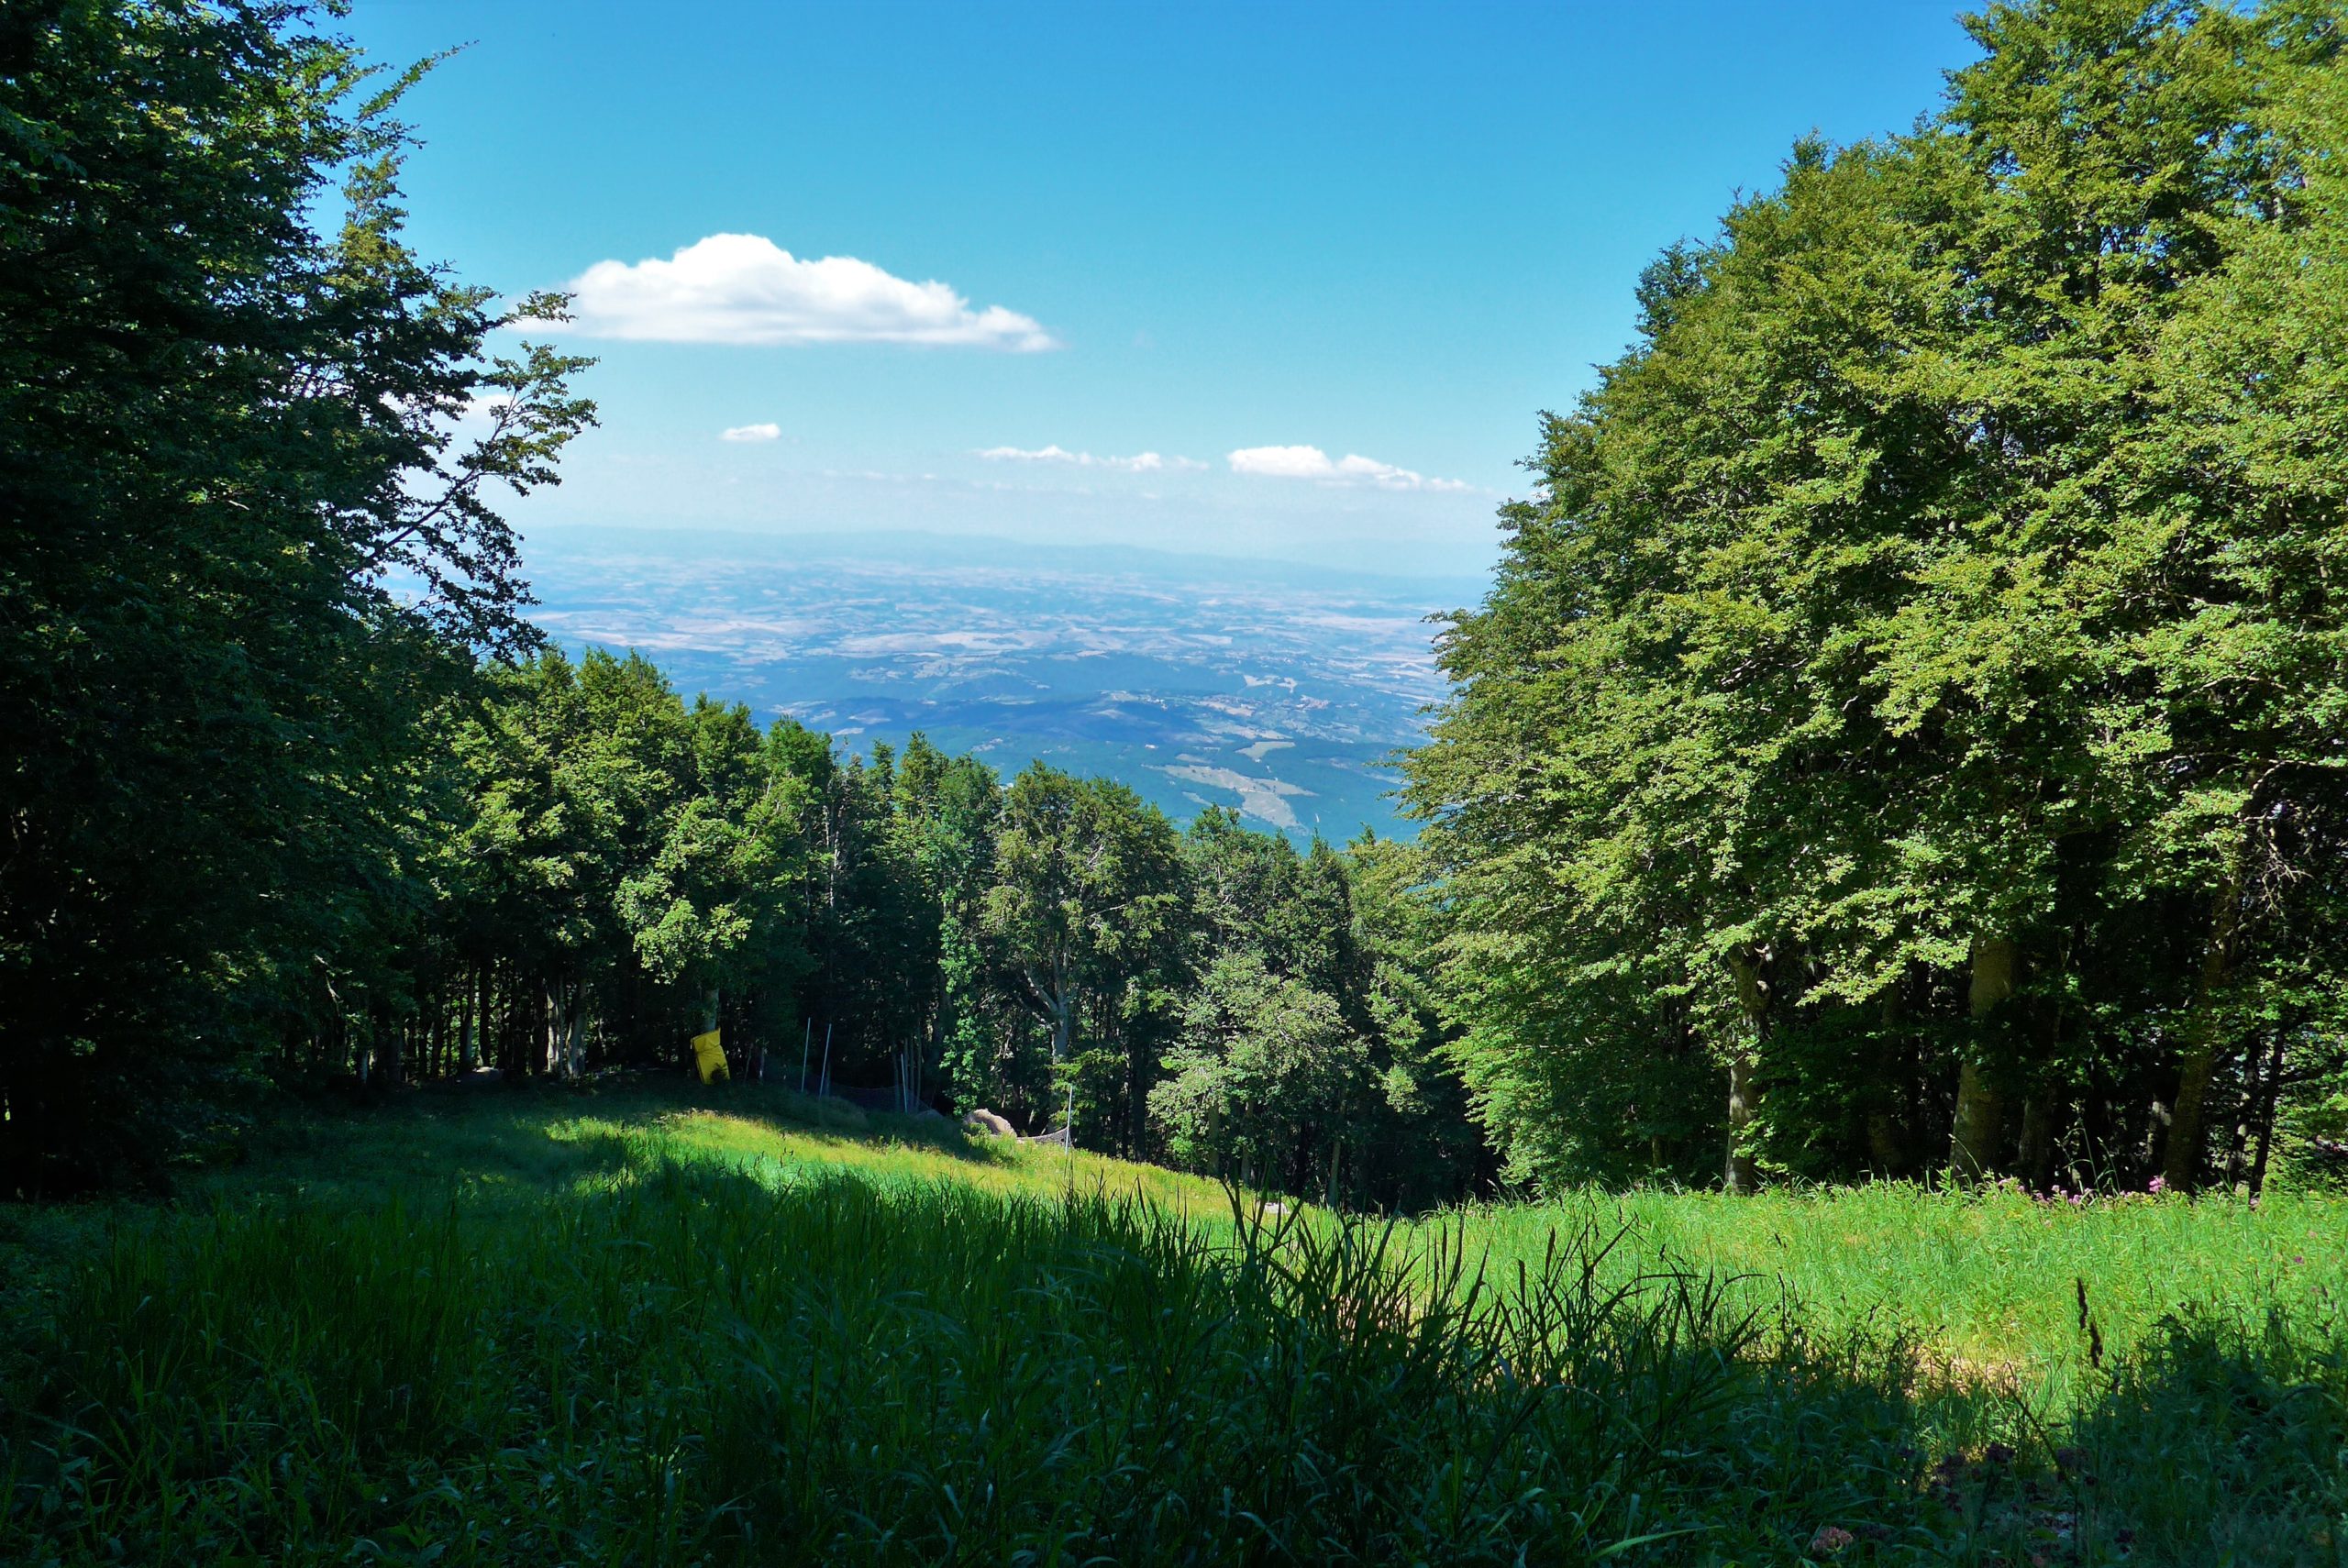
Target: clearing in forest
(660,1322)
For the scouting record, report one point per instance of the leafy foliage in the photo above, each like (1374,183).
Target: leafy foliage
(1902,727)
(247,548)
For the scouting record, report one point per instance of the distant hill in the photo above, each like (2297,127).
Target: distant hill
(1278,689)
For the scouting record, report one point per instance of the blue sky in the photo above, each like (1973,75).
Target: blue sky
(1300,233)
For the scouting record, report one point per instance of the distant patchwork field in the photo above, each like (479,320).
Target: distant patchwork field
(1279,690)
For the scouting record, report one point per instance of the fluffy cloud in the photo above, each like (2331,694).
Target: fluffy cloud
(742,288)
(1313,463)
(752,433)
(1139,463)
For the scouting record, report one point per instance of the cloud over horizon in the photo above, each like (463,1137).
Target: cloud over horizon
(744,288)
(767,432)
(1313,463)
(1139,463)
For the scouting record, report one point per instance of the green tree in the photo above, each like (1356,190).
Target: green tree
(1084,916)
(1885,670)
(244,549)
(1267,1081)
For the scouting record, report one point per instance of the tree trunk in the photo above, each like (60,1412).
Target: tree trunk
(1980,1111)
(2270,1102)
(514,1035)
(476,1008)
(1740,1172)
(2040,1116)
(2181,1167)
(2245,1116)
(2045,1106)
(566,1027)
(1886,1140)
(389,1038)
(550,1022)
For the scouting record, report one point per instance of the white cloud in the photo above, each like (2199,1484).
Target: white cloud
(1283,462)
(1139,463)
(752,433)
(743,288)
(1313,463)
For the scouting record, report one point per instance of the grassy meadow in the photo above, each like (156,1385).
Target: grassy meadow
(655,1323)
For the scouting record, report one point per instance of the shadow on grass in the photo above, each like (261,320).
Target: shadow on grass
(2223,1438)
(694,1364)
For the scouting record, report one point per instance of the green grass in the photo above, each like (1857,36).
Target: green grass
(489,1142)
(1988,1284)
(663,1324)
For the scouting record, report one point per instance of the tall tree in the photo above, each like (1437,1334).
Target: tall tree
(1087,905)
(1878,663)
(244,547)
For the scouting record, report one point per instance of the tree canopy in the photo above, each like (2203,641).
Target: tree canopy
(1903,730)
(248,445)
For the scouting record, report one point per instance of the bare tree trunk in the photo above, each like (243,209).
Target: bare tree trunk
(1980,1111)
(567,1035)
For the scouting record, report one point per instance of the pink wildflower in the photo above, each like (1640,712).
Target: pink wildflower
(2157,1185)
(1830,1538)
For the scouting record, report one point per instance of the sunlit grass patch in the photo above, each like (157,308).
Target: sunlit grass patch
(1986,1281)
(645,1320)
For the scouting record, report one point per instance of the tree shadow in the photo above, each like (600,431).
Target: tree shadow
(2217,1439)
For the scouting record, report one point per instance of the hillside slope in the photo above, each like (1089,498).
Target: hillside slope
(649,1322)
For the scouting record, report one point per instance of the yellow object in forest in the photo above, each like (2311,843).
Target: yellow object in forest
(710,1057)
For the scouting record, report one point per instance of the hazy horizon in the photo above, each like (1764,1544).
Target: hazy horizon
(1278,689)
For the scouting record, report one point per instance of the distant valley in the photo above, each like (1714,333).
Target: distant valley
(1279,690)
